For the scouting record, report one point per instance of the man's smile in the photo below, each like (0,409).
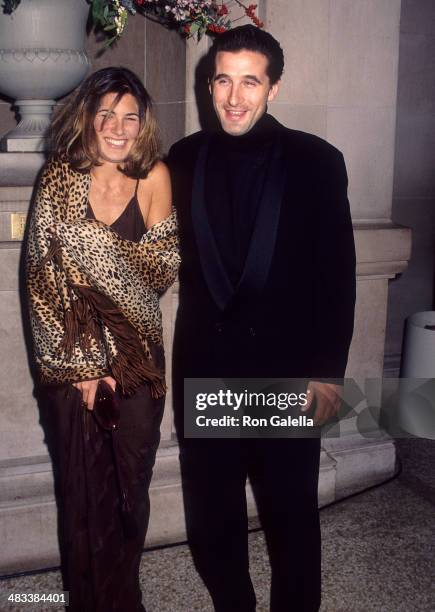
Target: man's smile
(235,114)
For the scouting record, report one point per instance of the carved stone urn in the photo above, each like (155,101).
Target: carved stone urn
(42,58)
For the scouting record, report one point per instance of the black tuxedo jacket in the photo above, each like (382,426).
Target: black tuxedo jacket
(291,314)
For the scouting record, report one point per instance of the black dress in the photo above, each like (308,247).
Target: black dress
(100,558)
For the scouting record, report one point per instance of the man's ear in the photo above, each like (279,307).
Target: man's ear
(210,85)
(273,91)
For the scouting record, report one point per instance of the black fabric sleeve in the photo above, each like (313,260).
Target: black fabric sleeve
(335,263)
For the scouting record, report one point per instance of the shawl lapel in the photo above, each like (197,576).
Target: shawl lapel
(262,245)
(212,267)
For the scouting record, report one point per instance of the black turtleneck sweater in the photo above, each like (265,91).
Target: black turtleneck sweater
(236,170)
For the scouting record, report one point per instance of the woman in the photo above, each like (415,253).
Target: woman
(102,248)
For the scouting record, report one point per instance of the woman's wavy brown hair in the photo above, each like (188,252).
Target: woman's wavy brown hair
(72,132)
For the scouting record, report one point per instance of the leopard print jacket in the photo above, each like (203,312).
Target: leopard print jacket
(93,296)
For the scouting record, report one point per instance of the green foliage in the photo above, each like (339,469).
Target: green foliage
(9,6)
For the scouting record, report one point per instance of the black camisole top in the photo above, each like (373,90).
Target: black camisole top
(130,224)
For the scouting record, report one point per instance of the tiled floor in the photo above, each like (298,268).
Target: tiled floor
(378,553)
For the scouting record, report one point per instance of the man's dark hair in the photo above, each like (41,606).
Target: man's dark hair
(251,38)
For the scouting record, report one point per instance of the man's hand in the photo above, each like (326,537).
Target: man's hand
(88,389)
(328,400)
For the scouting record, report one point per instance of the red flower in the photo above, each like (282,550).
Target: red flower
(186,27)
(257,22)
(250,11)
(222,10)
(212,27)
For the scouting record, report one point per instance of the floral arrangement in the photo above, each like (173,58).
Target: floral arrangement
(189,17)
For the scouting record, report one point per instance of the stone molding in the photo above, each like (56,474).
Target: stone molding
(43,55)
(383,249)
(19,170)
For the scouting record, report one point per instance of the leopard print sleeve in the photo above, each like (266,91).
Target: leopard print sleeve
(48,297)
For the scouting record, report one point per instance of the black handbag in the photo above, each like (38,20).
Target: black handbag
(106,407)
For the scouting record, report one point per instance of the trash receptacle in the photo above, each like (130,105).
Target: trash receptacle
(416,411)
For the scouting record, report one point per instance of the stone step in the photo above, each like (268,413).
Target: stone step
(28,515)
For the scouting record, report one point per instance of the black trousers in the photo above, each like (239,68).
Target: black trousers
(284,476)
(100,560)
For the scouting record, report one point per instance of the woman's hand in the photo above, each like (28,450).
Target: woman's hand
(88,389)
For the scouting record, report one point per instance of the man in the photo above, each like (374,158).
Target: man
(267,289)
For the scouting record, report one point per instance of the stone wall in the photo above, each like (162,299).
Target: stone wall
(414,176)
